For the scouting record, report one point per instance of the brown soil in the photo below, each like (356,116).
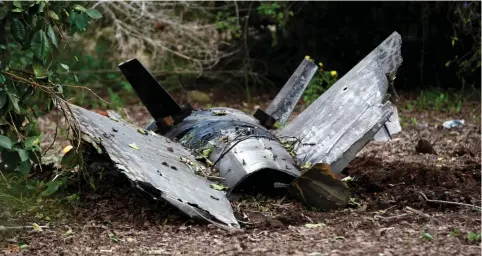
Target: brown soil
(389,215)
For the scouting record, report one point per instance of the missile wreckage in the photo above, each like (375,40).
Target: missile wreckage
(185,155)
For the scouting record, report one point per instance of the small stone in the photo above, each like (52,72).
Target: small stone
(424,147)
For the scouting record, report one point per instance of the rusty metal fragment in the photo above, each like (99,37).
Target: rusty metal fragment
(161,167)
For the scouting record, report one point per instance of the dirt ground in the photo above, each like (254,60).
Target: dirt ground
(388,216)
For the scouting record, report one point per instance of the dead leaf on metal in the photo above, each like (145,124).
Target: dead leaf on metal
(134,146)
(141,131)
(219,187)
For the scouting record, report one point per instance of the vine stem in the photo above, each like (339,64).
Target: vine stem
(18,78)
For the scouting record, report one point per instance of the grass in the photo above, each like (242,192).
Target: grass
(438,100)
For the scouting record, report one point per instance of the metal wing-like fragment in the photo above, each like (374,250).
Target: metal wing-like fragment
(347,116)
(159,166)
(280,109)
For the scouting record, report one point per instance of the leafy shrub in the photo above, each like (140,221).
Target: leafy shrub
(320,82)
(31,35)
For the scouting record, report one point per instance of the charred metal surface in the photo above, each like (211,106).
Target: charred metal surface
(238,146)
(157,100)
(264,119)
(159,166)
(283,104)
(342,120)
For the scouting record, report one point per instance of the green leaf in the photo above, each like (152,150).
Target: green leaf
(22,246)
(473,237)
(64,66)
(76,79)
(113,238)
(72,17)
(52,187)
(94,14)
(427,236)
(18,30)
(2,79)
(40,45)
(5,143)
(3,13)
(41,7)
(79,8)
(69,160)
(81,21)
(51,34)
(31,142)
(17,4)
(207,152)
(3,98)
(23,154)
(24,167)
(31,130)
(219,187)
(53,15)
(17,10)
(39,70)
(14,101)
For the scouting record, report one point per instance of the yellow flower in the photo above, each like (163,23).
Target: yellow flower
(307,57)
(320,64)
(333,73)
(67,149)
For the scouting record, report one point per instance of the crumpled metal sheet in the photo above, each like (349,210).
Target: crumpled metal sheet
(156,167)
(390,128)
(341,121)
(285,101)
(240,146)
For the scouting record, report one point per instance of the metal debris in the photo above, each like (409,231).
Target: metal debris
(150,168)
(239,151)
(280,109)
(349,114)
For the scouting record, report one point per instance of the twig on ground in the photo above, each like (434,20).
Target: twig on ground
(389,218)
(410,209)
(3,228)
(448,202)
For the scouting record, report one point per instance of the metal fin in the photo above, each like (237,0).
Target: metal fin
(342,120)
(157,100)
(283,104)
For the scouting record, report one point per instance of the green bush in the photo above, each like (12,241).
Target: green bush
(31,36)
(321,81)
